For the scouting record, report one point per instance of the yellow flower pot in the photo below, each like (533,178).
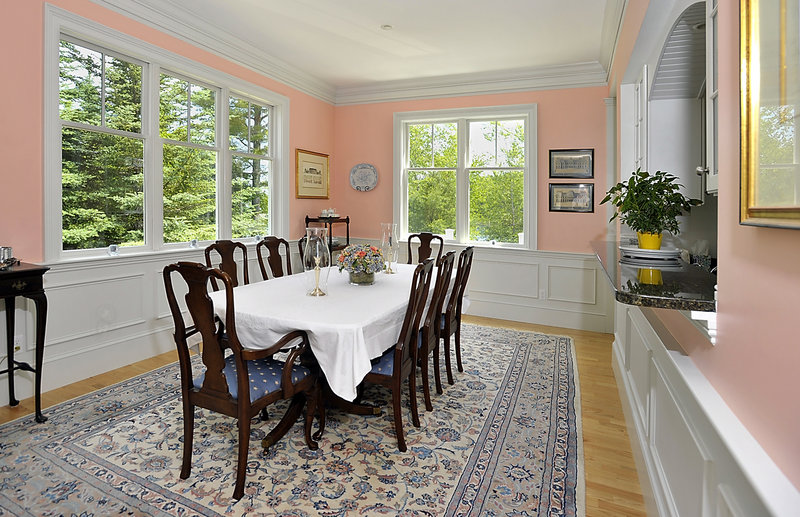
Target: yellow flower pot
(649,241)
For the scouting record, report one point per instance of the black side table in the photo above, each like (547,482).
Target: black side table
(328,222)
(24,279)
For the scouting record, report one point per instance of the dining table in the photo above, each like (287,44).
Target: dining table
(347,327)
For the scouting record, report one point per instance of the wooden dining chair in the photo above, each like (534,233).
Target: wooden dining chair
(225,252)
(424,250)
(428,340)
(273,246)
(399,362)
(451,317)
(246,381)
(301,246)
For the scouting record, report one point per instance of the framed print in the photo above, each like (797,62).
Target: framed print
(312,174)
(770,103)
(572,197)
(572,163)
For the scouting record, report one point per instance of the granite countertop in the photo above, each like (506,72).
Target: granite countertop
(675,286)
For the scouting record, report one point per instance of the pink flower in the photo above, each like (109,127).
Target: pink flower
(361,254)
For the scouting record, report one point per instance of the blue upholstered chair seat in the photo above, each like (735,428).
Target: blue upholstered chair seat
(385,364)
(265,376)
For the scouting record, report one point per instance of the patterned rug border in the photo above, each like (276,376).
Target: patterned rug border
(573,399)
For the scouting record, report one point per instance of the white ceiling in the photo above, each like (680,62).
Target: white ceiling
(337,50)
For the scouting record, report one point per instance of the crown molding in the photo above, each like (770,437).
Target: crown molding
(541,78)
(176,22)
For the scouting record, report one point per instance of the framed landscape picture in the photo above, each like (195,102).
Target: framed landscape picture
(571,197)
(312,174)
(572,163)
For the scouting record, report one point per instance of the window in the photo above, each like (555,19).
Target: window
(187,125)
(468,174)
(145,158)
(100,109)
(251,164)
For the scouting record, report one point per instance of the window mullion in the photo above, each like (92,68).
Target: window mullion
(153,153)
(102,90)
(462,182)
(224,166)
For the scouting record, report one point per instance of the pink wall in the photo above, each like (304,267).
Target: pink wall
(21,36)
(21,195)
(754,365)
(573,118)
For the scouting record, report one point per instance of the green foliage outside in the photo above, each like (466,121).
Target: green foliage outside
(496,188)
(102,175)
(249,135)
(103,158)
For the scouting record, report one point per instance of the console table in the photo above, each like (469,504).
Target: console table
(25,280)
(328,222)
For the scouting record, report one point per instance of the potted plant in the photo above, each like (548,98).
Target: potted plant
(649,204)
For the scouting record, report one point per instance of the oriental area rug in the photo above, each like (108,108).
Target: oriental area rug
(504,440)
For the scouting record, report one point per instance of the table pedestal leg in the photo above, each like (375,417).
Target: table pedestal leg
(354,408)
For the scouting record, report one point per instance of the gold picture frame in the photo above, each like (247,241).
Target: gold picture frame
(770,111)
(312,174)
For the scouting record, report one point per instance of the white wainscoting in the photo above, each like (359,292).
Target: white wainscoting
(544,287)
(108,312)
(695,458)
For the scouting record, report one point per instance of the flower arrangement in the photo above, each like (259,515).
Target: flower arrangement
(361,258)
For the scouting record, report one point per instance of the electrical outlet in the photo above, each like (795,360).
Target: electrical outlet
(18,339)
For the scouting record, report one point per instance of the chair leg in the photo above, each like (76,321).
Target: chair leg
(398,419)
(448,366)
(412,388)
(458,347)
(241,466)
(426,388)
(436,369)
(188,436)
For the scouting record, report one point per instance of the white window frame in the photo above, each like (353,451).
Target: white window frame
(462,116)
(58,23)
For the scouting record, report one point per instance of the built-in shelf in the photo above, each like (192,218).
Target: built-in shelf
(680,286)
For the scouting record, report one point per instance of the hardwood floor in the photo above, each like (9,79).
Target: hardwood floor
(612,484)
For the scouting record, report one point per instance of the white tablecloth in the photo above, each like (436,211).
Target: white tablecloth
(346,328)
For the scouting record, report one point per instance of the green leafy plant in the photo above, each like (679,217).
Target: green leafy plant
(649,203)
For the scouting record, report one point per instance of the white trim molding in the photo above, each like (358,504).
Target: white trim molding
(694,456)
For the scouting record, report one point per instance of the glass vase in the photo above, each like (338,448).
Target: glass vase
(390,247)
(362,278)
(316,261)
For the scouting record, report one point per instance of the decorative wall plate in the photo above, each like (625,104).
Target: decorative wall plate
(363,177)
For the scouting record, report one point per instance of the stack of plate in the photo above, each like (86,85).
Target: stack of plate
(636,256)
